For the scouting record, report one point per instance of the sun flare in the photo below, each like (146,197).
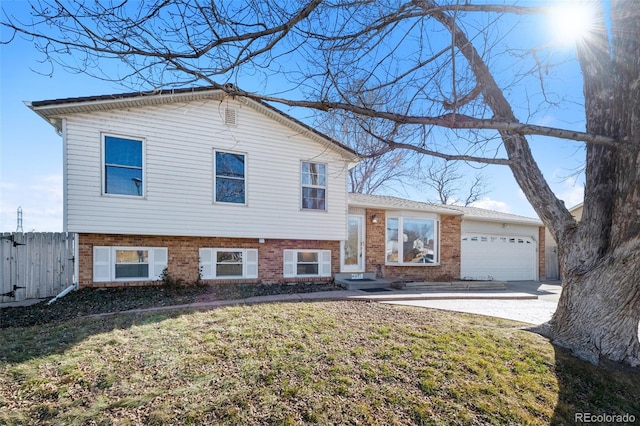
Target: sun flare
(570,22)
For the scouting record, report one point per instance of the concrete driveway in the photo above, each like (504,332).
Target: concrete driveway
(533,311)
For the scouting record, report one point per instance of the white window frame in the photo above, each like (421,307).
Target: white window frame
(290,269)
(244,179)
(104,263)
(208,263)
(400,245)
(325,186)
(103,172)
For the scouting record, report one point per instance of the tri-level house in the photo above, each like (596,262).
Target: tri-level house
(202,185)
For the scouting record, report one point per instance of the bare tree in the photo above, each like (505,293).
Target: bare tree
(450,184)
(463,69)
(379,168)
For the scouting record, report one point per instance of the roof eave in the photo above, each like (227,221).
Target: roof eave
(53,111)
(437,210)
(56,122)
(504,220)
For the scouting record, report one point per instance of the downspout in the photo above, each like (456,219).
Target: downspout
(76,249)
(64,292)
(76,270)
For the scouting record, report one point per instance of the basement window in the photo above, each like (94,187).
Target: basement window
(128,263)
(307,263)
(228,263)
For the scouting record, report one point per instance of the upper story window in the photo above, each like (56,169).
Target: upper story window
(123,166)
(314,186)
(230,178)
(412,241)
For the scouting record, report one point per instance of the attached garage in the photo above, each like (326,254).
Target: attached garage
(498,257)
(499,246)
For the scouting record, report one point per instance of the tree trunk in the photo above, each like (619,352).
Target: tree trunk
(598,315)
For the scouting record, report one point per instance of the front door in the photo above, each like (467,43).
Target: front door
(353,247)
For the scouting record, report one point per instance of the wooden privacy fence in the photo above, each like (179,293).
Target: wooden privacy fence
(35,264)
(552,266)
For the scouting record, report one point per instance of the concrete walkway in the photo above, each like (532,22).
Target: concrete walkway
(535,310)
(530,301)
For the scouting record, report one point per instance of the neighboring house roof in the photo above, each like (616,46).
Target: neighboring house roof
(471,213)
(54,110)
(576,207)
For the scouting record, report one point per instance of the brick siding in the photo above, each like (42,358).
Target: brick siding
(183,262)
(448,269)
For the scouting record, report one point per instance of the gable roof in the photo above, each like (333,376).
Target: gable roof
(471,213)
(54,110)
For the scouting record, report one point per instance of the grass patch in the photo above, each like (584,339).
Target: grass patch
(91,301)
(292,363)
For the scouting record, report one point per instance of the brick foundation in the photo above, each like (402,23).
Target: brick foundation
(183,262)
(448,269)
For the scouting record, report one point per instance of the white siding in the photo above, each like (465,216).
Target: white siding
(473,226)
(178,177)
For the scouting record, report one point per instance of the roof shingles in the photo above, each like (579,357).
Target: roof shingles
(471,213)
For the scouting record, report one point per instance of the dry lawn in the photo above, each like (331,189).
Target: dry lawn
(292,363)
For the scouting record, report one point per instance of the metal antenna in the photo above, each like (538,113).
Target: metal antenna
(19,227)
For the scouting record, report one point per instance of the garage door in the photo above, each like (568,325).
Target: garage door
(498,257)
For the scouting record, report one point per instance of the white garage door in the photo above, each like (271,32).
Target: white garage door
(498,257)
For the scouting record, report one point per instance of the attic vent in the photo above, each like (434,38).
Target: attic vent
(230,117)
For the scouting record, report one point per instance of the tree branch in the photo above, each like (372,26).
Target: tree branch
(463,100)
(525,170)
(496,8)
(392,145)
(450,121)
(448,157)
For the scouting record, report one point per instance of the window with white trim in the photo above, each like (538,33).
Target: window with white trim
(228,263)
(314,186)
(412,241)
(307,263)
(128,263)
(123,166)
(230,184)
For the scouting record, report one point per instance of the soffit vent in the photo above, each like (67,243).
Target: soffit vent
(230,116)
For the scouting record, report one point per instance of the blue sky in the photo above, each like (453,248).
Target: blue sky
(31,151)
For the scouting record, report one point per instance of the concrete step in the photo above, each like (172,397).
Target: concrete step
(455,286)
(361,281)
